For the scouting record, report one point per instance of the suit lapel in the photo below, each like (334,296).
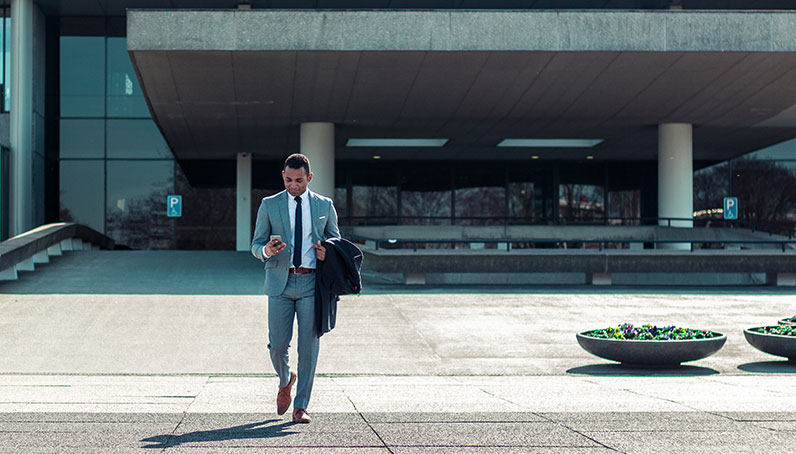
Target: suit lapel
(314,211)
(285,213)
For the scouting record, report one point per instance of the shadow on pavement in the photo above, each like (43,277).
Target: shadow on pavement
(246,431)
(621,370)
(770,367)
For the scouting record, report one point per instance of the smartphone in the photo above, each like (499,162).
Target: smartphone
(278,238)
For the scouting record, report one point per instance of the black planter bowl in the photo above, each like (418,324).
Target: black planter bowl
(786,321)
(651,352)
(773,344)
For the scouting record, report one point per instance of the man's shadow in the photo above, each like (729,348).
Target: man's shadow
(246,431)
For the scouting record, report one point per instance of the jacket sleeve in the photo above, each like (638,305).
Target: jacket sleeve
(332,230)
(262,232)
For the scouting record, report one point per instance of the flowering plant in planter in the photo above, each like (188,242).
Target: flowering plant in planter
(779,330)
(651,345)
(788,321)
(627,331)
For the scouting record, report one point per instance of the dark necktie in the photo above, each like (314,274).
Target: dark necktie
(297,237)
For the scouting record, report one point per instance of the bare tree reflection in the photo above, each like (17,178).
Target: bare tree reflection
(766,192)
(142,223)
(581,202)
(483,202)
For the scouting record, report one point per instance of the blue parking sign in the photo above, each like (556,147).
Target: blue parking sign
(731,208)
(174,206)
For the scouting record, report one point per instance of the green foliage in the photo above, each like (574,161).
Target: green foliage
(626,331)
(779,330)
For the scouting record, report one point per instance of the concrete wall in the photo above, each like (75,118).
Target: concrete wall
(576,232)
(651,31)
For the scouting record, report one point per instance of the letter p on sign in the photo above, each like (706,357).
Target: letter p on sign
(731,208)
(174,206)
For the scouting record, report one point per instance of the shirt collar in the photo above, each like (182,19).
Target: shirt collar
(304,197)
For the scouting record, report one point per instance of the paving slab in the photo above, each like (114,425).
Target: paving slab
(177,363)
(528,434)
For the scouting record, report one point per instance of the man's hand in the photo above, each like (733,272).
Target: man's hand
(320,251)
(274,247)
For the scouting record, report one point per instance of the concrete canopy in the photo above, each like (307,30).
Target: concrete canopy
(223,82)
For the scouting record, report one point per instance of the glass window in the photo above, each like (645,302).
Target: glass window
(782,150)
(379,203)
(82,76)
(581,202)
(624,207)
(82,138)
(6,62)
(136,139)
(426,207)
(426,194)
(209,215)
(711,185)
(82,193)
(136,205)
(341,201)
(480,205)
(766,191)
(125,98)
(521,201)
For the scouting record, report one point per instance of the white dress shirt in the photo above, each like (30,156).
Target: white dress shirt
(307,251)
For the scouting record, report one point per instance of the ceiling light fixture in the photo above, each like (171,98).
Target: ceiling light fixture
(407,143)
(550,143)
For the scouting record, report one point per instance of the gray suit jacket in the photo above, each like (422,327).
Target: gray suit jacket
(273,219)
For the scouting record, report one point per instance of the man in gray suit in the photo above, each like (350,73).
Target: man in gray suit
(287,237)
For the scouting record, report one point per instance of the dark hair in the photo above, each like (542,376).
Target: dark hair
(297,161)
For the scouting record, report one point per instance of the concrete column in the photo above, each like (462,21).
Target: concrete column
(21,121)
(317,143)
(675,177)
(243,223)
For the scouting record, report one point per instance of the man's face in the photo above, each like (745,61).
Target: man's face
(296,180)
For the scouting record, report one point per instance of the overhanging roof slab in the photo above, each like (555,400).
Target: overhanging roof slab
(227,81)
(560,31)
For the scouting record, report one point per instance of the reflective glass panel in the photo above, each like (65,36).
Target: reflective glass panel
(624,207)
(581,202)
(341,201)
(426,207)
(82,138)
(7,64)
(136,139)
(136,206)
(375,202)
(209,215)
(480,205)
(782,150)
(82,193)
(125,98)
(82,76)
(711,185)
(766,191)
(521,201)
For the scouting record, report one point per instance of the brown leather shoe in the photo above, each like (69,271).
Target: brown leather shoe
(300,416)
(283,398)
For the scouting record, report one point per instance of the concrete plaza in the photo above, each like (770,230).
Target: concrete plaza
(121,351)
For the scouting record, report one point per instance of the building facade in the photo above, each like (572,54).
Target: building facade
(413,113)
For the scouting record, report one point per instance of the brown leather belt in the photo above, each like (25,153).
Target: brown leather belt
(300,270)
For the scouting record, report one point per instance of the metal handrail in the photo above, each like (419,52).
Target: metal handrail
(557,241)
